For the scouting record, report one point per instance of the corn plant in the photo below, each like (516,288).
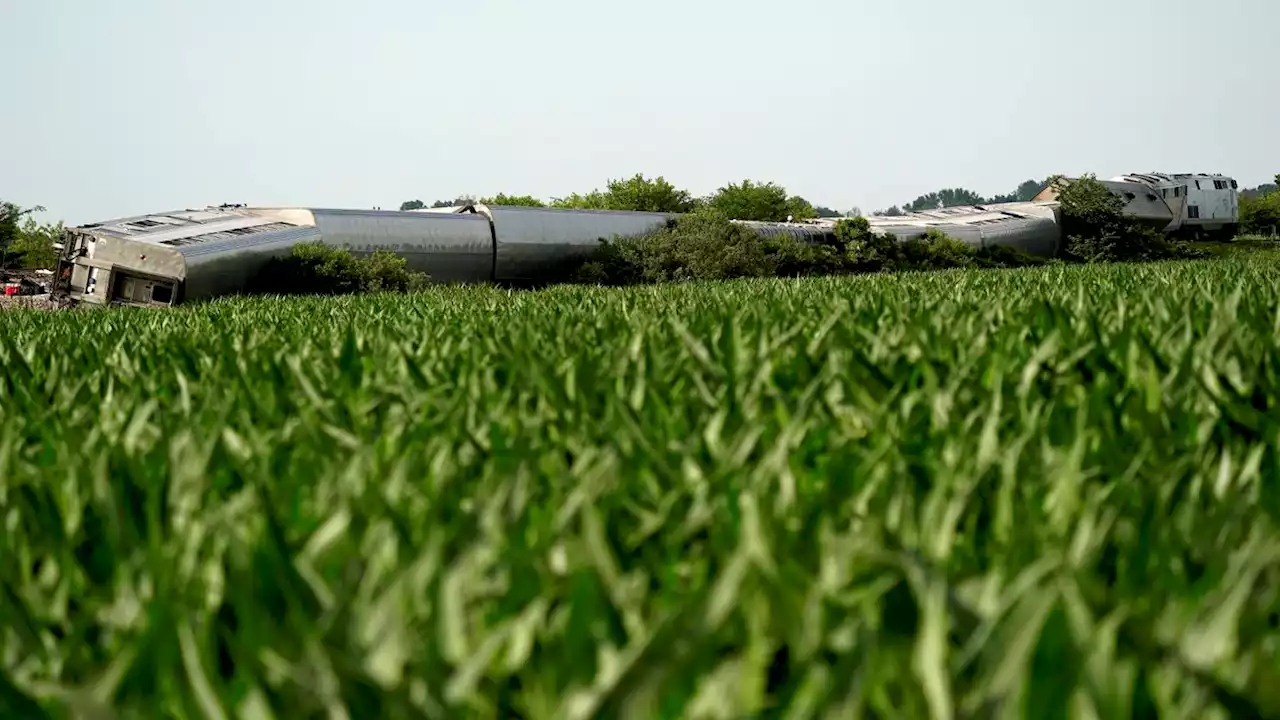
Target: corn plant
(1039,493)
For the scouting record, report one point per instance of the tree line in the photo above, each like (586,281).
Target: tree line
(746,200)
(770,202)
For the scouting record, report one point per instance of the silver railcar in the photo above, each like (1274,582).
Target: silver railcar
(164,258)
(531,242)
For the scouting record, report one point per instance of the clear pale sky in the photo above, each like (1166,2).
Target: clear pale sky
(117,107)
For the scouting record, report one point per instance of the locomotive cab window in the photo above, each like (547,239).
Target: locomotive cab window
(1193,211)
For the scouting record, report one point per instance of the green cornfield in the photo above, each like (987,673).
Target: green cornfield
(1045,493)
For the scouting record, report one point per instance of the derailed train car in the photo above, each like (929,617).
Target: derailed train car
(531,242)
(1032,227)
(165,258)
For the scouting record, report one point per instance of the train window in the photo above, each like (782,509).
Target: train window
(161,293)
(1193,212)
(1234,185)
(1164,192)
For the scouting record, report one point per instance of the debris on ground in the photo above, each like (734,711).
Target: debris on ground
(41,302)
(26,288)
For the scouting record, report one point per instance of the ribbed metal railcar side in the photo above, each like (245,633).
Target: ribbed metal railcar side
(809,233)
(533,242)
(448,247)
(1037,236)
(223,267)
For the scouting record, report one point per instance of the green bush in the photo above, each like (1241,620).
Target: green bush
(314,268)
(705,245)
(934,250)
(385,271)
(702,245)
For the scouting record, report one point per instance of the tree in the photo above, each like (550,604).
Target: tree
(642,194)
(1260,214)
(800,209)
(853,212)
(1256,192)
(419,205)
(947,197)
(752,201)
(892,211)
(10,230)
(1029,189)
(636,193)
(826,212)
(593,200)
(456,202)
(517,200)
(1025,192)
(33,247)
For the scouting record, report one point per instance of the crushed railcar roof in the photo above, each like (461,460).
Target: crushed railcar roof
(185,227)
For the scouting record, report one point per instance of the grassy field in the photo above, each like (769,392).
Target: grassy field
(1040,493)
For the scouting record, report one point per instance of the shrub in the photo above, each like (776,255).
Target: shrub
(933,250)
(314,268)
(385,271)
(705,245)
(702,245)
(793,257)
(1003,256)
